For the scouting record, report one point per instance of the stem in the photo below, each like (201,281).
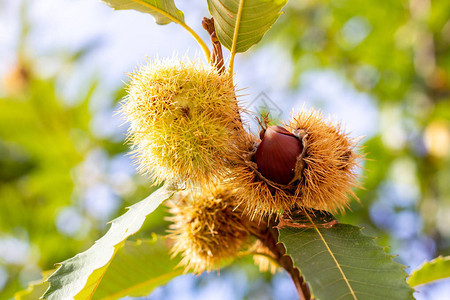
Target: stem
(235,36)
(199,41)
(184,25)
(216,55)
(287,263)
(217,59)
(268,235)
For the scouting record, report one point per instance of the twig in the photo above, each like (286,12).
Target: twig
(217,60)
(216,55)
(287,223)
(268,235)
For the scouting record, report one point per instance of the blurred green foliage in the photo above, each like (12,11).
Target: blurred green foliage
(46,149)
(398,52)
(42,140)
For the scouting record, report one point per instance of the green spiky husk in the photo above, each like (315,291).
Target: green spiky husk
(182,117)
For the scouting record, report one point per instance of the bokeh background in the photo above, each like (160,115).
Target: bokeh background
(380,67)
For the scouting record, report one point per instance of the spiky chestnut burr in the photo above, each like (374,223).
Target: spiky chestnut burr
(207,227)
(312,166)
(329,165)
(264,258)
(183,116)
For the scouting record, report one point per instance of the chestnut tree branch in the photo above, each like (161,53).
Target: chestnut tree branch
(216,55)
(217,58)
(268,235)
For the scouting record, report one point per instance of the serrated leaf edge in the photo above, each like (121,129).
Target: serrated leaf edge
(427,263)
(158,10)
(164,189)
(373,238)
(126,292)
(31,285)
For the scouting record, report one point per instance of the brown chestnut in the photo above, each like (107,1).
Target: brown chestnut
(277,154)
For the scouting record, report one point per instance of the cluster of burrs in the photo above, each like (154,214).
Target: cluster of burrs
(185,127)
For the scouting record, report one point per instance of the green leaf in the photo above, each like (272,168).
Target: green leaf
(35,289)
(138,268)
(242,23)
(438,268)
(79,276)
(340,262)
(164,11)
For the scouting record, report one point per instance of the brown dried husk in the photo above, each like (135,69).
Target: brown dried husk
(325,171)
(330,163)
(264,258)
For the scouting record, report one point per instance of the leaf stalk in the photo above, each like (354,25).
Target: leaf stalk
(267,233)
(184,25)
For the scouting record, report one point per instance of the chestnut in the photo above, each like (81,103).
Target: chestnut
(276,155)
